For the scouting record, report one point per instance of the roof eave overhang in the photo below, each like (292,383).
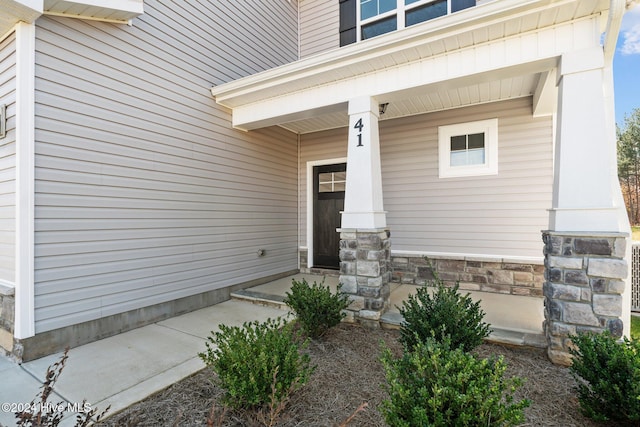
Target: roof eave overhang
(116,11)
(253,88)
(316,85)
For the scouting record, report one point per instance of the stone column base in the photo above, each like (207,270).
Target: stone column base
(584,282)
(365,260)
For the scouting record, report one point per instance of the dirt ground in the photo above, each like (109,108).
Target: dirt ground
(348,374)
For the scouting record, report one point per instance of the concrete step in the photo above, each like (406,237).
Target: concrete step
(392,320)
(261,298)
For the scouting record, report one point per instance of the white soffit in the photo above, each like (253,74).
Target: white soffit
(119,11)
(14,11)
(492,23)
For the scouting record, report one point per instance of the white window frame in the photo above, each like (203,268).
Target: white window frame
(489,167)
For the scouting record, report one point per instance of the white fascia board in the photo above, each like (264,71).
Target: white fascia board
(24,325)
(247,89)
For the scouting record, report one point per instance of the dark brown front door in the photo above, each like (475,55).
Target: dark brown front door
(329,183)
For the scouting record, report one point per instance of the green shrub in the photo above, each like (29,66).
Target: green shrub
(257,364)
(316,308)
(433,385)
(445,314)
(608,376)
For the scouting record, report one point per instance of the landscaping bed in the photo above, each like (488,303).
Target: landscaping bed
(348,373)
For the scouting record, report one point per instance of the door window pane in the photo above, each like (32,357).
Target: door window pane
(331,182)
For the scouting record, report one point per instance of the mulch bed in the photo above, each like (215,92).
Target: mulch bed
(348,373)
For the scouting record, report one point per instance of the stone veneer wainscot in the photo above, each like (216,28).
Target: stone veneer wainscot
(498,275)
(583,287)
(7,315)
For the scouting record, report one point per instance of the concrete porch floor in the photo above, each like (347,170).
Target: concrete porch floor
(514,319)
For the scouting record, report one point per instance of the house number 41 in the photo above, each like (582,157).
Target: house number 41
(359,126)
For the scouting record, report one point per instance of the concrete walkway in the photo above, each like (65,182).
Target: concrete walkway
(126,368)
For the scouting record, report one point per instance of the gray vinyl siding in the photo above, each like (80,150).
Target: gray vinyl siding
(319,26)
(8,160)
(500,215)
(144,193)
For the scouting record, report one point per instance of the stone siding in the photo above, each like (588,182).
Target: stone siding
(583,287)
(474,274)
(365,273)
(7,318)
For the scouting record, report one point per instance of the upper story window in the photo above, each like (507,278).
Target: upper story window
(376,17)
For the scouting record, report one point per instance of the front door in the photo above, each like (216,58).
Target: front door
(329,182)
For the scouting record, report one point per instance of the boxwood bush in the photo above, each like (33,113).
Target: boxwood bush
(434,385)
(608,376)
(446,314)
(258,363)
(316,307)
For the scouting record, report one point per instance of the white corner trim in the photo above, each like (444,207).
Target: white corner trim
(309,225)
(25,153)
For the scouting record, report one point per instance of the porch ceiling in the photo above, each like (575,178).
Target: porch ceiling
(437,98)
(498,50)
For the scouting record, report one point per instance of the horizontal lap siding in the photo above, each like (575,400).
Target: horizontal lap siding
(144,193)
(498,215)
(8,160)
(319,26)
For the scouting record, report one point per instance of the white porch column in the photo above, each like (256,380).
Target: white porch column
(363,198)
(585,176)
(587,249)
(365,247)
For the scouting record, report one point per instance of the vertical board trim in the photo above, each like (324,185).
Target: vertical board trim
(25,153)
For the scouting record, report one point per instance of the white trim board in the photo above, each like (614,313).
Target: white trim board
(25,180)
